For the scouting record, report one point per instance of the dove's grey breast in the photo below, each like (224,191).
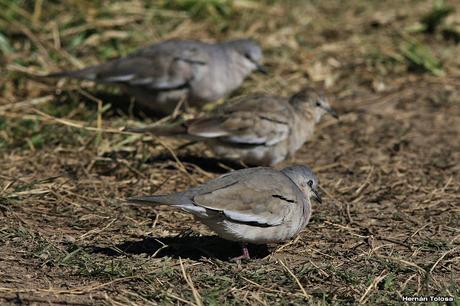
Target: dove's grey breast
(303,129)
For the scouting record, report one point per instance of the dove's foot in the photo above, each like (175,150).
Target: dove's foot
(245,254)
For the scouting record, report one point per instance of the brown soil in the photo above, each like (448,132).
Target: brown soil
(389,169)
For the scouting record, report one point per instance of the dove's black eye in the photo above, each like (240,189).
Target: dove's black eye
(318,103)
(310,183)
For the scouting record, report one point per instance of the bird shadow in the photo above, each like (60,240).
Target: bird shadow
(208,164)
(122,105)
(194,248)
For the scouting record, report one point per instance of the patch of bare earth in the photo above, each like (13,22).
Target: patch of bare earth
(389,169)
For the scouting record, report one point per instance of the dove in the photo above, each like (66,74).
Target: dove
(253,205)
(161,75)
(258,130)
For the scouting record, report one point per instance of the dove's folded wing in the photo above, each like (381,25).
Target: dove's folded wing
(256,196)
(244,127)
(166,66)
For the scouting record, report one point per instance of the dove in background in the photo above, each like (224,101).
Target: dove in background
(258,130)
(161,75)
(255,205)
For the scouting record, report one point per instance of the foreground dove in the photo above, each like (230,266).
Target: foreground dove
(160,75)
(254,205)
(258,130)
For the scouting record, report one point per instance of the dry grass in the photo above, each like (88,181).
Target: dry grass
(389,168)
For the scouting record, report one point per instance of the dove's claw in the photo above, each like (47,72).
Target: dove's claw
(245,254)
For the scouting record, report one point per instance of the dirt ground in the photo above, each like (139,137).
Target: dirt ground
(389,168)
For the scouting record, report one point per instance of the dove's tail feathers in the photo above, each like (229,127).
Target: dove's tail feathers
(207,128)
(89,73)
(178,200)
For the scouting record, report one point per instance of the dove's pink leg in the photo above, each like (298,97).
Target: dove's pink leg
(245,253)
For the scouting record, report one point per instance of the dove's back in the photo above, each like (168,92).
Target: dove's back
(152,61)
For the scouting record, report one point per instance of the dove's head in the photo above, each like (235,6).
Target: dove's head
(310,101)
(249,54)
(305,179)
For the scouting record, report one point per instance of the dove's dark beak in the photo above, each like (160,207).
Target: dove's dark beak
(317,196)
(262,69)
(332,112)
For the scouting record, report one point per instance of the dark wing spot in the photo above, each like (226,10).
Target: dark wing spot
(273,120)
(283,198)
(251,223)
(190,61)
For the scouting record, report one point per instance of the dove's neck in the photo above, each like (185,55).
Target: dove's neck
(304,209)
(310,114)
(239,66)
(226,75)
(304,126)
(300,180)
(306,213)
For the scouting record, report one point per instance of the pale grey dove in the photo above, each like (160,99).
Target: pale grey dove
(255,205)
(258,130)
(160,75)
